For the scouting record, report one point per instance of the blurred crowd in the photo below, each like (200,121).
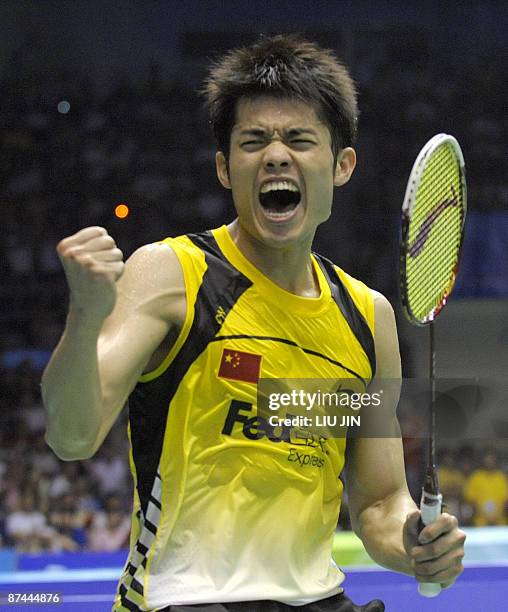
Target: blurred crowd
(50,505)
(143,140)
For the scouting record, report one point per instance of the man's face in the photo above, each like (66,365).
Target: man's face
(281,170)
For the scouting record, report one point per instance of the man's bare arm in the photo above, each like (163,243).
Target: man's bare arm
(383,513)
(379,500)
(113,327)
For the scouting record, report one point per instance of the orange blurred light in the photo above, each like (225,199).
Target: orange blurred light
(122,211)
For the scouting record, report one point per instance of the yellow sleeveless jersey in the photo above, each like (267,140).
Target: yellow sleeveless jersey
(225,507)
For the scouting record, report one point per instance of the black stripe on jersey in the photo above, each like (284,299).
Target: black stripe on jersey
(156,502)
(126,603)
(353,316)
(290,343)
(137,586)
(221,287)
(142,549)
(151,527)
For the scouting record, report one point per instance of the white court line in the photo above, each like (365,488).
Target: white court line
(86,598)
(62,575)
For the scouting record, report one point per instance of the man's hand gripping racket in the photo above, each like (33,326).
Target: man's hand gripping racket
(433,215)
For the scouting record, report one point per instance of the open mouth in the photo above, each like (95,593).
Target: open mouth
(279,199)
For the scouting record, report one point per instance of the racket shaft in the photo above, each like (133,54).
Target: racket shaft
(430,508)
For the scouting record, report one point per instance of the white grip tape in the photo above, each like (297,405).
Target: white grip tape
(429,589)
(430,512)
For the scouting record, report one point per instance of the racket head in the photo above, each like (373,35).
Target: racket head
(433,217)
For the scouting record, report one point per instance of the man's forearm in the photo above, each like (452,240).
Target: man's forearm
(380,527)
(71,390)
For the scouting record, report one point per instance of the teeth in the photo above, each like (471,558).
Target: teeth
(278,186)
(279,215)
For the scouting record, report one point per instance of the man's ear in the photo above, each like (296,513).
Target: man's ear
(221,167)
(346,162)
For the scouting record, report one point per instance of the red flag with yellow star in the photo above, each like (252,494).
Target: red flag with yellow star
(237,365)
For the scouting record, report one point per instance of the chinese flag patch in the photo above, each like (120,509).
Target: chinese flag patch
(237,365)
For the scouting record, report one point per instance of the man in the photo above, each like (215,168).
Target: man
(231,513)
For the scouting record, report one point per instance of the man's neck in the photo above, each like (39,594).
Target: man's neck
(290,268)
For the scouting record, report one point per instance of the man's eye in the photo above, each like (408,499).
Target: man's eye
(251,142)
(302,141)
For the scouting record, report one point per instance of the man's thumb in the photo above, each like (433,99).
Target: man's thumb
(413,524)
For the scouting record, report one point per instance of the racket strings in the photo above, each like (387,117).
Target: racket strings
(434,234)
(430,281)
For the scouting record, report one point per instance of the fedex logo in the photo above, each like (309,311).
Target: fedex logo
(257,427)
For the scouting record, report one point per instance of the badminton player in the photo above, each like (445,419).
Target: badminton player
(231,513)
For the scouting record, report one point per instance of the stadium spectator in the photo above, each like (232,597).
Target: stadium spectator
(27,527)
(109,471)
(63,480)
(68,524)
(486,490)
(110,530)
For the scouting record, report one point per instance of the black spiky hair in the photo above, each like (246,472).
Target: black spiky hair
(283,66)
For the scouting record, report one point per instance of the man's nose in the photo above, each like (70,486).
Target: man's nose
(277,156)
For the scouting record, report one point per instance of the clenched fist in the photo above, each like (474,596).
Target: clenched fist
(437,551)
(92,264)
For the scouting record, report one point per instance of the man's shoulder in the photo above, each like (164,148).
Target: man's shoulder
(358,287)
(184,246)
(165,272)
(364,296)
(152,260)
(166,254)
(351,282)
(153,281)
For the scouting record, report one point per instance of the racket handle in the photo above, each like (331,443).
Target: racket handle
(430,508)
(429,589)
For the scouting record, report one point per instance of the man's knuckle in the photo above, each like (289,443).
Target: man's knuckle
(458,557)
(424,570)
(86,260)
(96,268)
(74,254)
(431,548)
(61,246)
(450,521)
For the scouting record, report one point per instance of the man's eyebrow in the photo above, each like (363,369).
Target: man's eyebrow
(298,131)
(290,133)
(252,132)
